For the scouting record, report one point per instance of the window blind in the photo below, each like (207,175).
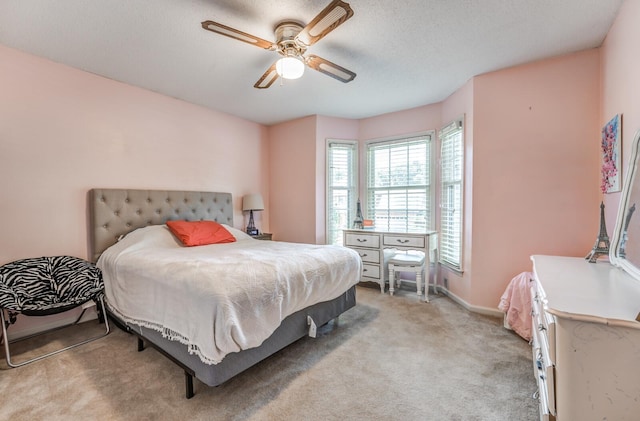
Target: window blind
(341,188)
(451,164)
(399,184)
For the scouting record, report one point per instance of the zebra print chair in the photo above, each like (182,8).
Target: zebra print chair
(48,285)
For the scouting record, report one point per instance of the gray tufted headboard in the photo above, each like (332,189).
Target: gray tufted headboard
(114,212)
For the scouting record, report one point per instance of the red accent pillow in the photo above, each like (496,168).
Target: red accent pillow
(200,233)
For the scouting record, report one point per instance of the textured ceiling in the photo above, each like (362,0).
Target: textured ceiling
(405,53)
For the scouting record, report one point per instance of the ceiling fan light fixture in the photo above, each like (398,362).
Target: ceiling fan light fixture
(290,67)
(292,38)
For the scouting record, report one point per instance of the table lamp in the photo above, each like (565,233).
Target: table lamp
(251,202)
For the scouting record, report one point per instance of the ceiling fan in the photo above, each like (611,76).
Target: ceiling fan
(292,41)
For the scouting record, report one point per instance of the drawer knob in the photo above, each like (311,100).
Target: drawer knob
(401,241)
(361,240)
(363,255)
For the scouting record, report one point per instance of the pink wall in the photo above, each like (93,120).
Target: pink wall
(64,131)
(535,170)
(298,172)
(531,157)
(531,162)
(419,119)
(292,163)
(620,87)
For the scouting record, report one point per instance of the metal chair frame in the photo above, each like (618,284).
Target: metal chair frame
(12,315)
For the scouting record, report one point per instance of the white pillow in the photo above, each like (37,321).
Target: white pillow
(240,235)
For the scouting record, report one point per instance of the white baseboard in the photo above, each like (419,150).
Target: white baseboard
(494,312)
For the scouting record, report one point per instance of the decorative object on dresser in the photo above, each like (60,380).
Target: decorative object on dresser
(43,286)
(359,220)
(252,202)
(625,244)
(601,247)
(376,247)
(586,332)
(611,154)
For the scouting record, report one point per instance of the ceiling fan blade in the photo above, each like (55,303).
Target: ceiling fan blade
(221,29)
(329,19)
(267,78)
(330,69)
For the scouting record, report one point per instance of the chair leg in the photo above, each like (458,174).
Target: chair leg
(392,278)
(426,285)
(6,338)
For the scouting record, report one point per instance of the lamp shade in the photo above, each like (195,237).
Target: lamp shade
(290,67)
(252,202)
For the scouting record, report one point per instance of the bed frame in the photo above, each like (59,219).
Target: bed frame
(116,212)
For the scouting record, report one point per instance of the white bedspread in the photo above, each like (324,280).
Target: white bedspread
(220,298)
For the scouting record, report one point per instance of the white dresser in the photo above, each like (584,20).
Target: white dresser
(586,340)
(370,246)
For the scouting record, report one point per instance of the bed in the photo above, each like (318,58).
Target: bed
(202,307)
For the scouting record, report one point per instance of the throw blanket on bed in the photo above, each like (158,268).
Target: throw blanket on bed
(220,298)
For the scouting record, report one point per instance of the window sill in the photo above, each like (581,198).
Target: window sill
(448,266)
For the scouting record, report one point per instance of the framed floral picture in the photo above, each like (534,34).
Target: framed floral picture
(611,159)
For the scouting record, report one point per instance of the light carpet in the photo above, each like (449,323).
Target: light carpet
(389,358)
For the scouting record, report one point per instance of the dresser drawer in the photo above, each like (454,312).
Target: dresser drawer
(403,241)
(542,394)
(371,271)
(368,255)
(543,402)
(542,333)
(549,327)
(362,240)
(546,370)
(543,321)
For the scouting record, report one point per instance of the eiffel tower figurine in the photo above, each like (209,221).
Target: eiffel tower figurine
(358,222)
(601,247)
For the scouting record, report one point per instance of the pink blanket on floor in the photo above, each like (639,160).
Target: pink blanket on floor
(516,303)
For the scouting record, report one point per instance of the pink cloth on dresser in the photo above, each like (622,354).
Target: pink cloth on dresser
(516,303)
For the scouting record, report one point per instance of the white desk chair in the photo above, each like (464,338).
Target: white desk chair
(411,261)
